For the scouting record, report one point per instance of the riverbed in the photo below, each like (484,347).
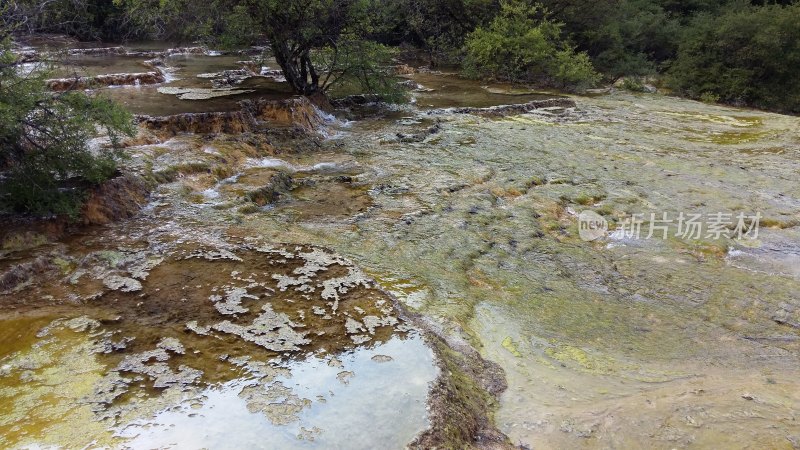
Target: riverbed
(223,312)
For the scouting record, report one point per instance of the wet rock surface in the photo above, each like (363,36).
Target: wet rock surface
(227,301)
(122,79)
(172,328)
(252,116)
(508,110)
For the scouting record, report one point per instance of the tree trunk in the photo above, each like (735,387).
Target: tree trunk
(296,69)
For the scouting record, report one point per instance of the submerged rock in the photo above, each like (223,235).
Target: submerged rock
(276,401)
(232,77)
(20,275)
(356,100)
(123,284)
(417,137)
(201,93)
(153,364)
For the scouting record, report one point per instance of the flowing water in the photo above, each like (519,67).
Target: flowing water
(186,323)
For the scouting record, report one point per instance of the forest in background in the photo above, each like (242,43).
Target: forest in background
(732,51)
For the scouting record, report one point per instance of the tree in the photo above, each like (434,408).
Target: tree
(45,153)
(622,37)
(522,45)
(321,43)
(85,19)
(440,27)
(747,55)
(187,20)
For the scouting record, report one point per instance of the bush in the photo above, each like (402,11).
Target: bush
(523,45)
(748,55)
(708,97)
(633,84)
(45,155)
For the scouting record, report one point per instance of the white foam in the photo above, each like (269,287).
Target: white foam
(272,163)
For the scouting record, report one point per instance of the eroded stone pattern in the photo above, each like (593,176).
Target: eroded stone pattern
(197,313)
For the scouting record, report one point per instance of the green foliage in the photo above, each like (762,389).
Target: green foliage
(358,67)
(44,142)
(523,45)
(319,44)
(708,97)
(238,28)
(632,84)
(622,37)
(85,19)
(440,27)
(748,55)
(180,20)
(295,32)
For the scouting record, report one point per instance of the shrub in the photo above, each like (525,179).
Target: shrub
(633,84)
(522,45)
(748,55)
(45,155)
(708,97)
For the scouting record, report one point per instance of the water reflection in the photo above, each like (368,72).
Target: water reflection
(347,404)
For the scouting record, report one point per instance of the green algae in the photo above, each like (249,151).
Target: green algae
(509,345)
(729,137)
(43,387)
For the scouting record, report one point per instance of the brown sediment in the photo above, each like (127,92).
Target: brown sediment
(279,298)
(118,79)
(254,115)
(231,122)
(335,197)
(294,112)
(116,199)
(271,299)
